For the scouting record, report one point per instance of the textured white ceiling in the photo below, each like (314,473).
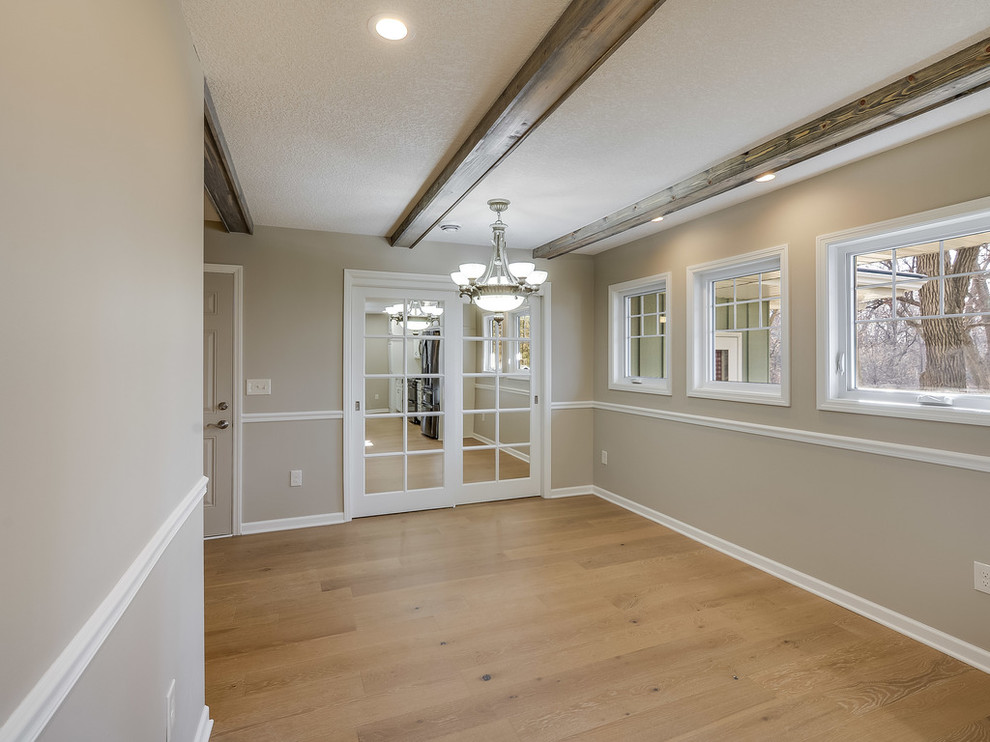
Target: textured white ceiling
(333,129)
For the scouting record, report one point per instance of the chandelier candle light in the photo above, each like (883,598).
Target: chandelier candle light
(500,286)
(418,316)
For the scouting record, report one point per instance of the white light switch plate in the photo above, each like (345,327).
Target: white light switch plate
(259,386)
(295,477)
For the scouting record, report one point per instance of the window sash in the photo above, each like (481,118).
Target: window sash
(704,327)
(633,327)
(839,388)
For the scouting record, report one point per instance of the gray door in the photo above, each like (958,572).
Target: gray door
(218,402)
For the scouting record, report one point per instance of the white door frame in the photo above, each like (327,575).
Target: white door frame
(237,271)
(544,394)
(354,278)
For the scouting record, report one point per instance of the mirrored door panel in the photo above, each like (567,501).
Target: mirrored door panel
(405,459)
(498,402)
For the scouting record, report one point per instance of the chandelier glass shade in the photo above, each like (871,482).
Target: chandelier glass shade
(417,315)
(500,286)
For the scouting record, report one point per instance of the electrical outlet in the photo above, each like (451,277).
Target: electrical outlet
(981,577)
(604,457)
(295,478)
(170,712)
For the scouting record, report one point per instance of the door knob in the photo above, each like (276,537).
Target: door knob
(222,406)
(223,425)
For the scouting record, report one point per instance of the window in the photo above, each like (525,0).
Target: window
(737,328)
(508,346)
(639,335)
(906,305)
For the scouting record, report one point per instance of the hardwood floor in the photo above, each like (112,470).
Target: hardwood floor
(550,620)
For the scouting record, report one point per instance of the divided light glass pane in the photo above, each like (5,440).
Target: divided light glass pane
(873,302)
(384,474)
(383,434)
(383,355)
(479,429)
(748,315)
(426,435)
(978,296)
(770,284)
(479,392)
(915,297)
(479,465)
(725,317)
(874,267)
(476,354)
(513,393)
(915,261)
(650,324)
(647,358)
(424,355)
(889,355)
(524,358)
(748,287)
(513,427)
(425,471)
(633,304)
(513,463)
(649,303)
(384,396)
(723,291)
(635,326)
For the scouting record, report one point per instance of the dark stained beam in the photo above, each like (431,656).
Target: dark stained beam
(219,175)
(584,36)
(958,75)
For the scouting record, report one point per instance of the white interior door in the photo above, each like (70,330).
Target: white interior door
(218,401)
(403,433)
(501,421)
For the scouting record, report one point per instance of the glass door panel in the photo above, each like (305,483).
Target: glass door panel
(498,402)
(400,356)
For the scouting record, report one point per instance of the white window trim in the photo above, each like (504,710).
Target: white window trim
(834,340)
(699,329)
(617,294)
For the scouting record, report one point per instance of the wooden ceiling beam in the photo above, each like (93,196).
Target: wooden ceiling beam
(958,75)
(584,36)
(219,176)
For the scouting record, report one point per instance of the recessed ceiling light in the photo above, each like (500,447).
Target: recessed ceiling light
(390,28)
(657,219)
(766,178)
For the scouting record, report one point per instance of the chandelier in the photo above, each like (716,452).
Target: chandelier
(417,315)
(500,286)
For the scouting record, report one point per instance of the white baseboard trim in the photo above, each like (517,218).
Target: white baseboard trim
(39,706)
(289,524)
(557,492)
(941,456)
(205,728)
(288,417)
(950,645)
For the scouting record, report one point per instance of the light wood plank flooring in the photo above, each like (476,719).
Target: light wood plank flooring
(550,620)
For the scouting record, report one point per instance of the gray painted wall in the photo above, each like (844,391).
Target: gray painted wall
(293,334)
(900,533)
(101,299)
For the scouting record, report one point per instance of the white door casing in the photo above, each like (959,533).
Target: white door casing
(364,393)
